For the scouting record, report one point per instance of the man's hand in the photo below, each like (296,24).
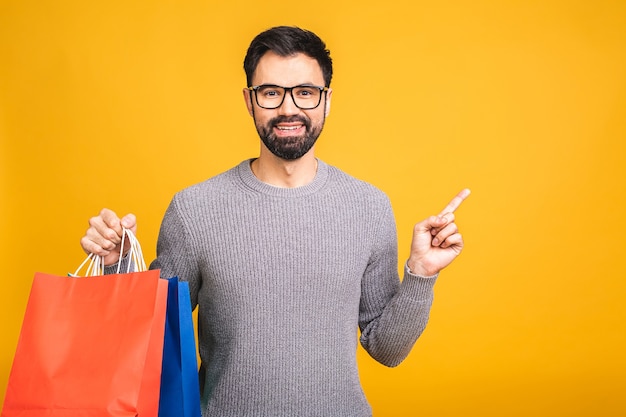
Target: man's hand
(104,236)
(436,240)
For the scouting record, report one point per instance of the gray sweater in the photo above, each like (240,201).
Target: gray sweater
(282,279)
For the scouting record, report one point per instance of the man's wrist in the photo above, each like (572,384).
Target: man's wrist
(415,268)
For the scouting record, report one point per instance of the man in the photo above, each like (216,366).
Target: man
(285,255)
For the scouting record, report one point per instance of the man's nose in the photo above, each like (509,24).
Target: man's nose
(288,106)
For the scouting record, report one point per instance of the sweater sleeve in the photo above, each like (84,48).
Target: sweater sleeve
(392,314)
(175,251)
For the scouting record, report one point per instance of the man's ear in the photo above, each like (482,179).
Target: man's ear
(247,96)
(329,93)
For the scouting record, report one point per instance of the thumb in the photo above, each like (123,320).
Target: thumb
(430,223)
(129,221)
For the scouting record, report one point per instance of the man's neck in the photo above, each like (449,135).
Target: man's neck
(285,174)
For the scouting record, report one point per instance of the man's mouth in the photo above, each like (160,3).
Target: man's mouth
(294,127)
(289,129)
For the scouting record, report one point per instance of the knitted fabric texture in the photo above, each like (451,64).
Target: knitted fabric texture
(283,277)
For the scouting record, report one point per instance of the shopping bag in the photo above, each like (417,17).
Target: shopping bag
(180,388)
(90,347)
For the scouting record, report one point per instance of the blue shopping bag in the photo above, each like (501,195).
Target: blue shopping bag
(180,388)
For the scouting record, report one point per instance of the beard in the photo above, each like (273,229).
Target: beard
(291,147)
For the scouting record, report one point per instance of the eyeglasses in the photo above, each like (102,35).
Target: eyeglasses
(305,97)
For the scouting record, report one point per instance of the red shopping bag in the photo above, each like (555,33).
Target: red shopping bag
(90,347)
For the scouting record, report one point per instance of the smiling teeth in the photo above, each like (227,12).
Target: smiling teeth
(288,127)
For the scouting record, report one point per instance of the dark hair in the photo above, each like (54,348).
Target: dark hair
(286,41)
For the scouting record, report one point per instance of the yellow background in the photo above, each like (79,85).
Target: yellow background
(122,103)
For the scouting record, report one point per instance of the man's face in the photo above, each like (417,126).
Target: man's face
(288,131)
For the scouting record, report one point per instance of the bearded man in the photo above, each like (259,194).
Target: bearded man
(287,256)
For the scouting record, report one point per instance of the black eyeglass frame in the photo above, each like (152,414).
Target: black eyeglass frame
(289,90)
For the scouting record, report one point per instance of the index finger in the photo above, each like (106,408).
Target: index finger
(110,219)
(107,225)
(456,201)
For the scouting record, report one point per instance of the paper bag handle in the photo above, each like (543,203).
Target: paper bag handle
(95,263)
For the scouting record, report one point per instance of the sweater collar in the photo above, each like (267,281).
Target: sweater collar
(252,182)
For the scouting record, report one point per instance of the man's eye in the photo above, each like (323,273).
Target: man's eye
(271,93)
(305,92)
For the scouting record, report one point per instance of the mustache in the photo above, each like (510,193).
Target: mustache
(290,119)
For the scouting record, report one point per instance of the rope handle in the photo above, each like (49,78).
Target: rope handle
(95,263)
